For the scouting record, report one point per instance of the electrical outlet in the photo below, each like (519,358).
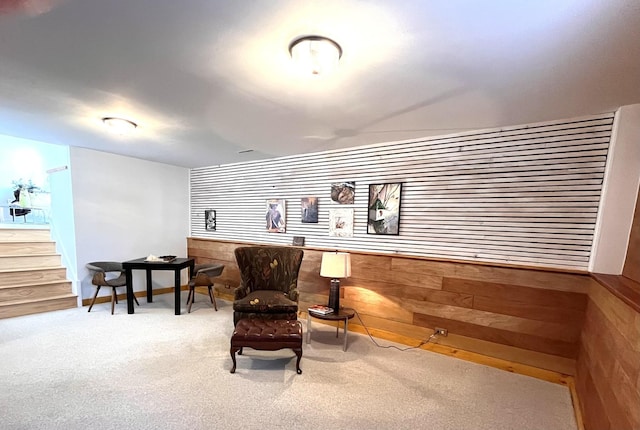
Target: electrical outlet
(442,331)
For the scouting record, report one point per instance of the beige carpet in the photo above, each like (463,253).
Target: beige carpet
(154,370)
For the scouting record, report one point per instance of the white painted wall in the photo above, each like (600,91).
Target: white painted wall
(61,218)
(27,160)
(126,208)
(620,190)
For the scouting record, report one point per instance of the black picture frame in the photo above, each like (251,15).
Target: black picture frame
(384,208)
(210,220)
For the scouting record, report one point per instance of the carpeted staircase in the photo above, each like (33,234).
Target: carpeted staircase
(32,279)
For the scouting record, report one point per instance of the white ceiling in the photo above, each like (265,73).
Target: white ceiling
(206,80)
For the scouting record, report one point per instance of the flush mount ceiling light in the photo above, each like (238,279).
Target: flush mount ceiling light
(315,54)
(119,125)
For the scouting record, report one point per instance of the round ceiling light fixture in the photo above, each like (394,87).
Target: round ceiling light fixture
(315,55)
(119,125)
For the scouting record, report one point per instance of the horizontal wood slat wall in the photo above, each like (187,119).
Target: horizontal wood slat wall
(523,195)
(608,369)
(522,315)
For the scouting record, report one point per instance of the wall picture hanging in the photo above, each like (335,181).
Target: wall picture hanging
(276,216)
(210,220)
(384,208)
(343,192)
(341,222)
(309,206)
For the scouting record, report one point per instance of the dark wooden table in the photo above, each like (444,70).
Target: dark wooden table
(344,314)
(140,264)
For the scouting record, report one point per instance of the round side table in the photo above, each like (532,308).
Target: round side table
(344,314)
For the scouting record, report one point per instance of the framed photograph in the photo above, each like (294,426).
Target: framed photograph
(276,216)
(309,206)
(341,222)
(298,241)
(384,208)
(343,192)
(210,220)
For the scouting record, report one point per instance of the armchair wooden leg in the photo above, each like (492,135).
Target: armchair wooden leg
(94,298)
(233,357)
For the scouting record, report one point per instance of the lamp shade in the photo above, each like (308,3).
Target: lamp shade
(335,265)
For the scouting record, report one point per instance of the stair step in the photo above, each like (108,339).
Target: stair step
(14,248)
(24,234)
(34,291)
(29,261)
(32,276)
(26,307)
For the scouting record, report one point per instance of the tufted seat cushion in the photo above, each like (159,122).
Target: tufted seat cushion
(265,301)
(256,330)
(269,335)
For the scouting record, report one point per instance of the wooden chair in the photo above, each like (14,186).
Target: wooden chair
(99,269)
(202,277)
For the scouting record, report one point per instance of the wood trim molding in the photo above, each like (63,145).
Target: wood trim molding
(624,288)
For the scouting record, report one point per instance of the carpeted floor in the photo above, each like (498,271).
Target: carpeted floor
(154,370)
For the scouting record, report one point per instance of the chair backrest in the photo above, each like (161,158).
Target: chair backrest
(211,269)
(100,268)
(269,267)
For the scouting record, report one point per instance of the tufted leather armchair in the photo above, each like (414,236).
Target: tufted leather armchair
(268,283)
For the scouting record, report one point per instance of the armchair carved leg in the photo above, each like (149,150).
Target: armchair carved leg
(233,358)
(298,352)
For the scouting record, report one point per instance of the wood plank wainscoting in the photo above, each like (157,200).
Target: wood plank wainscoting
(526,316)
(608,369)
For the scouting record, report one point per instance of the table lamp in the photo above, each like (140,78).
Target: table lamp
(335,265)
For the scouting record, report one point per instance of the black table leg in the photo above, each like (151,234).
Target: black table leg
(129,291)
(177,291)
(149,287)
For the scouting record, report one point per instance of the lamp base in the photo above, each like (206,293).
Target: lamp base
(334,295)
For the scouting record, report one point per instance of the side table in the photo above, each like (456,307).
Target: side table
(344,314)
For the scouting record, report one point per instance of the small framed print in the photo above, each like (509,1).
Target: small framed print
(276,216)
(341,222)
(309,207)
(343,192)
(210,220)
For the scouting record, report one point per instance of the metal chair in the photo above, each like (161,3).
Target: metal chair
(202,277)
(99,269)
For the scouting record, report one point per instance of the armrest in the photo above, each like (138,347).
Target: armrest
(94,268)
(211,271)
(293,294)
(240,292)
